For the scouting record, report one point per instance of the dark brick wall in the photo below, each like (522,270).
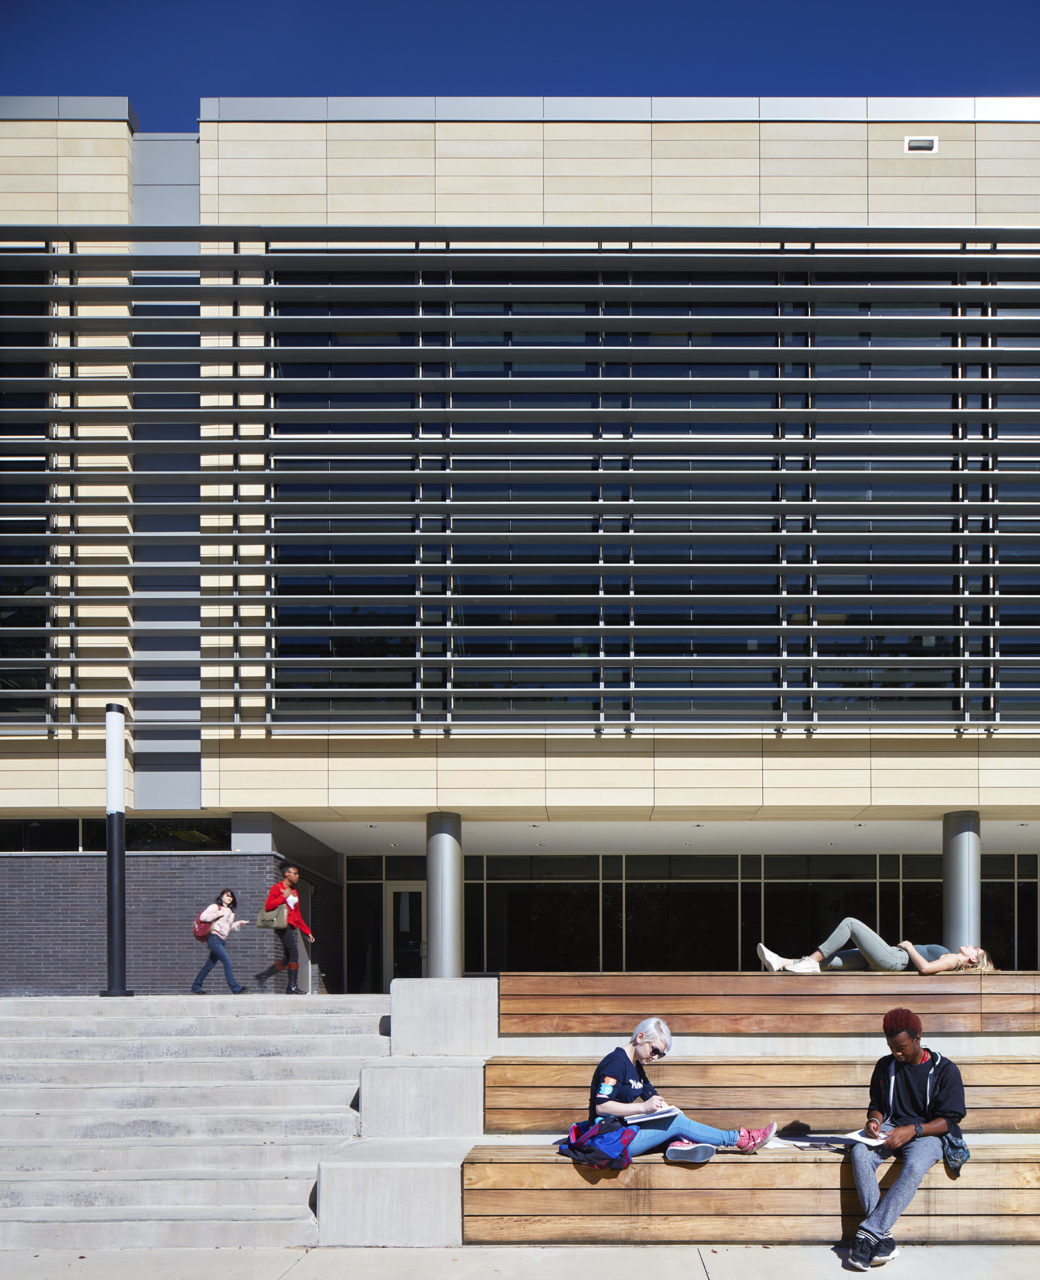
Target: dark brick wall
(55,905)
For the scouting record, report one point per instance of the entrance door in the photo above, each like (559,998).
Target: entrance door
(404,931)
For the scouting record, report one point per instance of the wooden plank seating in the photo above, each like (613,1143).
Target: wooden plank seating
(545,1095)
(610,1004)
(531,1195)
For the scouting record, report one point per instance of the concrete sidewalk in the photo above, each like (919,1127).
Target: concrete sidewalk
(666,1262)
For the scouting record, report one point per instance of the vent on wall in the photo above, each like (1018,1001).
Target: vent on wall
(920,144)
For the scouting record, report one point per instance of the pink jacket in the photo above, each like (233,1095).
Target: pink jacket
(223,919)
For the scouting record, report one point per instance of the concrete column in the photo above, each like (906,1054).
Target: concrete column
(962,879)
(444,907)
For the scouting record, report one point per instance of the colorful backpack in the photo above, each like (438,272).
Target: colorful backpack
(601,1144)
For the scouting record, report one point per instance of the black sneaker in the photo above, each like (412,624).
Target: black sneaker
(861,1255)
(885,1252)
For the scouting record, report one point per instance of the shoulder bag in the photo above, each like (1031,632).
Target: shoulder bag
(276,919)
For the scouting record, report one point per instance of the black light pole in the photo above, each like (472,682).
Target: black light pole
(115,845)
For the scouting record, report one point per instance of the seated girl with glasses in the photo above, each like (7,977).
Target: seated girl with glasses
(620,1088)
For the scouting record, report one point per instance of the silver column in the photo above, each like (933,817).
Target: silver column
(444,880)
(962,879)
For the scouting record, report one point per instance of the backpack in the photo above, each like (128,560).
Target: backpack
(601,1144)
(201,927)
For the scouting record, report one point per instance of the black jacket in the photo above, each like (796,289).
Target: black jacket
(925,1092)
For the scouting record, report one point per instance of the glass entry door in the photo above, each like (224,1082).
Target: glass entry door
(404,931)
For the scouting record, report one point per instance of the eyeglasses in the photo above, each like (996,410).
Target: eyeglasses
(657,1053)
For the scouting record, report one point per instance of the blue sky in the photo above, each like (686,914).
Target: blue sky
(166,54)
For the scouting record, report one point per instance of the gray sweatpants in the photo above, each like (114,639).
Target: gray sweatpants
(869,950)
(916,1158)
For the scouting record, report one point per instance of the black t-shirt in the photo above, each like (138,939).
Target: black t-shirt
(618,1080)
(912,1098)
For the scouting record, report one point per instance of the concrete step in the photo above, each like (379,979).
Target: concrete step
(167,1121)
(276,1123)
(272,1025)
(155,1227)
(130,1155)
(321,1095)
(40,1007)
(172,1071)
(214,1046)
(172,1187)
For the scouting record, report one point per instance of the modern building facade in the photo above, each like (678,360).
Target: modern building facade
(585,534)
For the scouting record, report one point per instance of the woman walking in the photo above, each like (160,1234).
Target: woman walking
(285,893)
(220,914)
(854,945)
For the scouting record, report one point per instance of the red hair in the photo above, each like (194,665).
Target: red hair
(897,1020)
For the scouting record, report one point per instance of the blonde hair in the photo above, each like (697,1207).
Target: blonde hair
(983,965)
(653,1029)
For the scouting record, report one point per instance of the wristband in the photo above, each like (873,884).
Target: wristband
(918,1130)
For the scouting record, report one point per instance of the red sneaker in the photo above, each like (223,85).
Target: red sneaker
(750,1140)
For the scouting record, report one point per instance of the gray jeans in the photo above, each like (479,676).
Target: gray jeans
(916,1158)
(869,951)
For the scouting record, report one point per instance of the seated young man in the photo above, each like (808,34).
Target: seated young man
(916,1095)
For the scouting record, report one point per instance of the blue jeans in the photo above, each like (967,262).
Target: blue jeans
(916,1158)
(658,1133)
(217,951)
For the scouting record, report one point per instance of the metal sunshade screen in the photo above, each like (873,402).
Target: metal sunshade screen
(505,479)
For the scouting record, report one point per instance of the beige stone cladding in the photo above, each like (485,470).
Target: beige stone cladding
(909,188)
(738,777)
(28,171)
(813,172)
(597,171)
(91,543)
(738,172)
(490,172)
(264,171)
(705,172)
(1007,164)
(65,171)
(381,171)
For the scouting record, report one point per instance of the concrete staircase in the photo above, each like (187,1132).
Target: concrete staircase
(164,1121)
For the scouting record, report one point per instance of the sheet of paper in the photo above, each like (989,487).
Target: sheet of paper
(861,1135)
(828,1140)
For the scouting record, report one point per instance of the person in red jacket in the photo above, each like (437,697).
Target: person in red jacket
(285,891)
